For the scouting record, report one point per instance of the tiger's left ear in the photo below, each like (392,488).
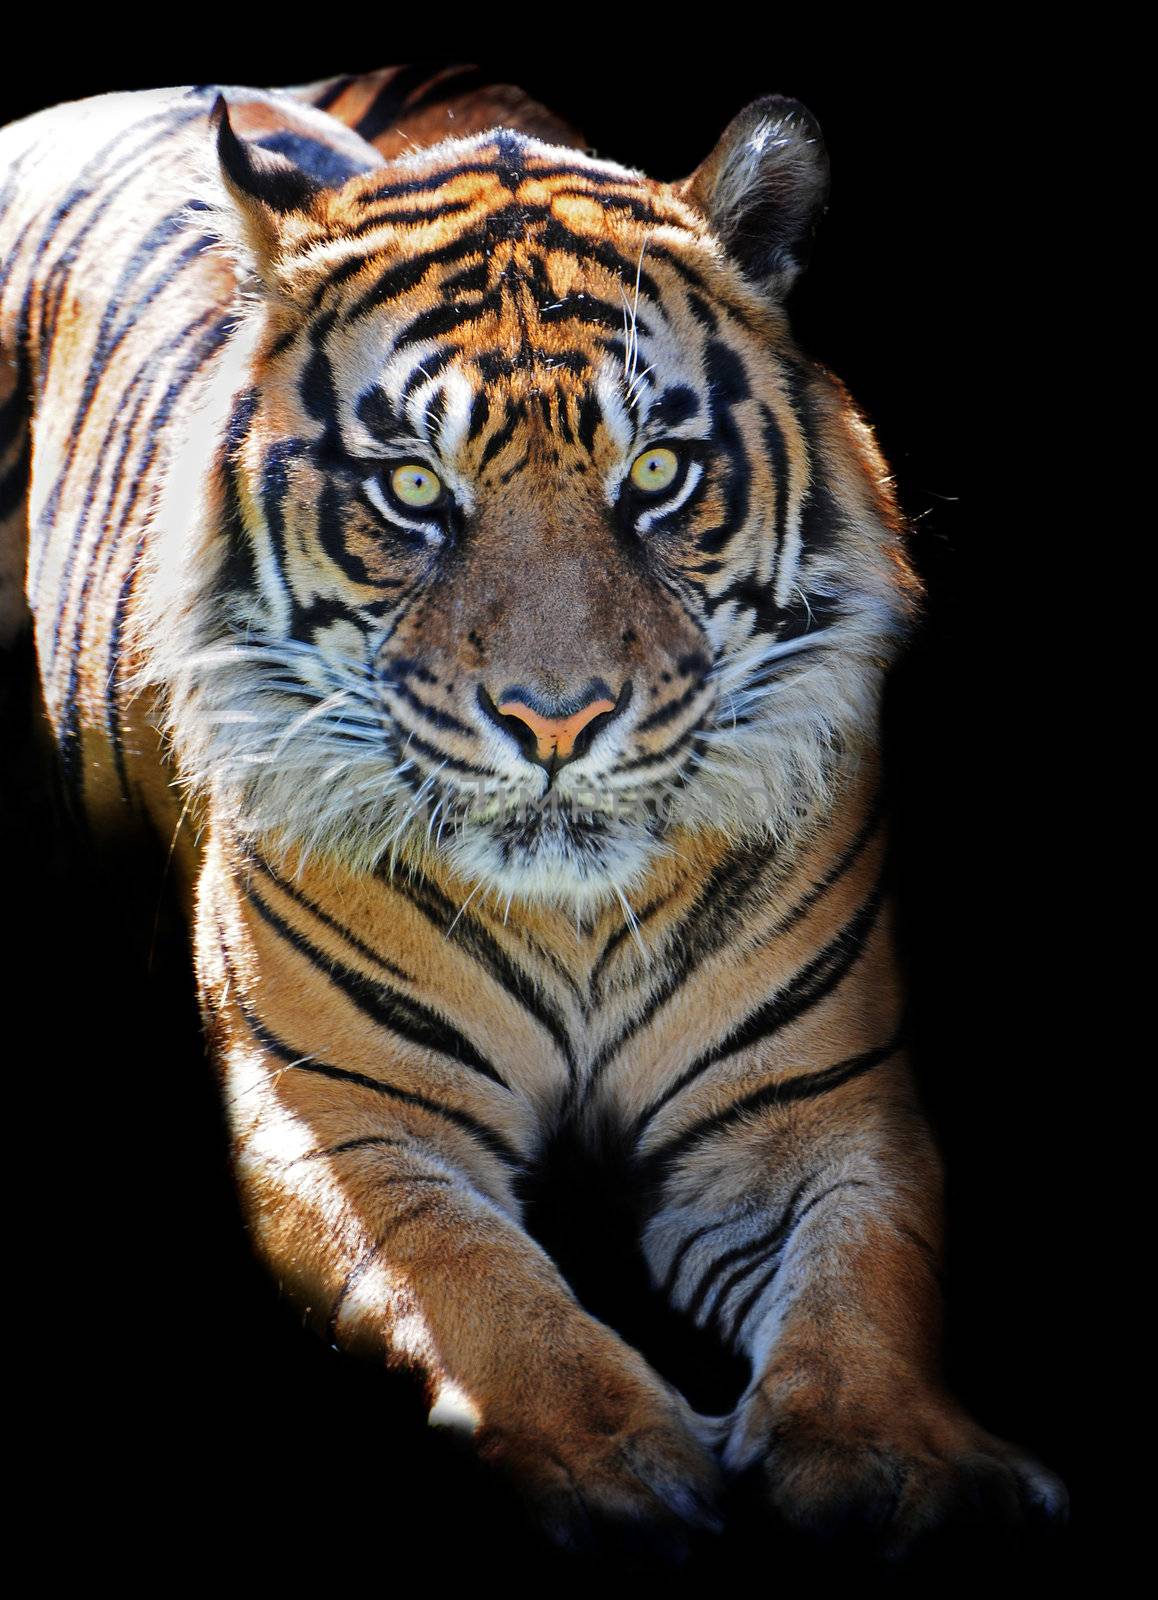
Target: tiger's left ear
(763,190)
(268,192)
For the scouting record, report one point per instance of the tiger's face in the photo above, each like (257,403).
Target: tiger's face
(537,541)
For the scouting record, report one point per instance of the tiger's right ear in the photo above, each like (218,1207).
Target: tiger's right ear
(269,194)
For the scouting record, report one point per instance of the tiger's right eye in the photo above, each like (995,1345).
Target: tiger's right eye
(414,485)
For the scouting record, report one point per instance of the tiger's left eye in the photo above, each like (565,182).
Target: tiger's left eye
(416,486)
(655,469)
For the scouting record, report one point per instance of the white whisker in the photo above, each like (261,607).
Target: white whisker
(463,907)
(631,920)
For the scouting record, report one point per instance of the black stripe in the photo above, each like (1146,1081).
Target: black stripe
(387,106)
(239,569)
(54,282)
(777,453)
(821,514)
(672,709)
(400,277)
(587,309)
(728,387)
(692,735)
(333,279)
(109,532)
(142,376)
(381,1003)
(394,189)
(519,466)
(315,910)
(449,317)
(555,235)
(589,416)
(432,714)
(496,364)
(331,93)
(109,336)
(844,861)
(599,184)
(456,82)
(414,216)
(782,1091)
(502,435)
(332,525)
(366,1141)
(416,744)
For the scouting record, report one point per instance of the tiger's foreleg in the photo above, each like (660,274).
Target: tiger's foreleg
(805,1230)
(379,1184)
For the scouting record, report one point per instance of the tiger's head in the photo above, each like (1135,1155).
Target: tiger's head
(531,539)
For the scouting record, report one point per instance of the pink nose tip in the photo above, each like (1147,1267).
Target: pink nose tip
(555,736)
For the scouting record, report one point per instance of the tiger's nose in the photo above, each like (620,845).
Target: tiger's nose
(551,738)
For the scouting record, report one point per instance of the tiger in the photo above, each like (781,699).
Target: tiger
(435,531)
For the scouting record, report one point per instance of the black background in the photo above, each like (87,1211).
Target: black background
(179,1407)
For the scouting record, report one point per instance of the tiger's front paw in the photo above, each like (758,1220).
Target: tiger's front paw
(621,1465)
(897,1476)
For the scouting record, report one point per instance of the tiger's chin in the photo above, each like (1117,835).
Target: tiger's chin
(555,860)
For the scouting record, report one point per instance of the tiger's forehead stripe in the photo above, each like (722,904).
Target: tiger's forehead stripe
(529,239)
(502,196)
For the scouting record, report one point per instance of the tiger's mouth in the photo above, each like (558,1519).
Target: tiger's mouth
(552,831)
(550,850)
(584,818)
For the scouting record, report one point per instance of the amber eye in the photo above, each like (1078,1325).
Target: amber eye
(416,486)
(655,469)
